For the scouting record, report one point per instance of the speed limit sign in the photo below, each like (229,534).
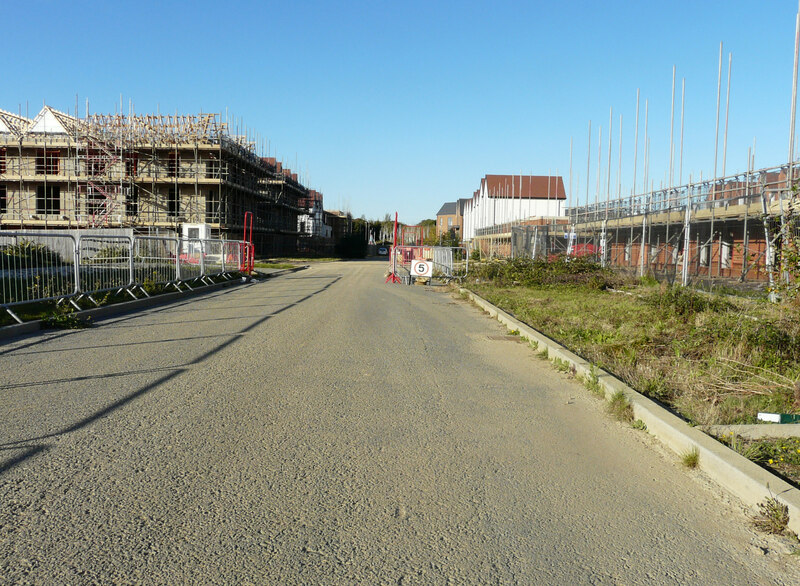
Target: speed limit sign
(421,268)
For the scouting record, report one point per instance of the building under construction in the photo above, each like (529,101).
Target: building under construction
(730,229)
(145,172)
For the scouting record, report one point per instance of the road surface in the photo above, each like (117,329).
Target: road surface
(325,428)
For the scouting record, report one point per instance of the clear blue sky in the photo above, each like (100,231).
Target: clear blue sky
(405,105)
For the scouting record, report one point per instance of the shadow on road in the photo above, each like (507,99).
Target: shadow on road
(32,450)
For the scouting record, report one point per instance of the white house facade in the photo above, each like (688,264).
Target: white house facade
(506,199)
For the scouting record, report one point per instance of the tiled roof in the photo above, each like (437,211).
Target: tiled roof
(524,186)
(448,209)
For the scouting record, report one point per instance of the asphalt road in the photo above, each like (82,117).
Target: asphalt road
(325,428)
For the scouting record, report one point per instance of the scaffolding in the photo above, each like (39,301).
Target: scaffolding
(723,231)
(147,172)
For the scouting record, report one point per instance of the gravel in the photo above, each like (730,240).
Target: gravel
(323,427)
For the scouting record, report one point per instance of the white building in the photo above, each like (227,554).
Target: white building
(505,199)
(313,223)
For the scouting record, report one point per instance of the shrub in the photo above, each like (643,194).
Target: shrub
(29,254)
(539,272)
(685,302)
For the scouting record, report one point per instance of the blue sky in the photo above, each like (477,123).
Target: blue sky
(388,106)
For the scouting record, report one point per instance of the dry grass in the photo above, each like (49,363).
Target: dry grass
(720,365)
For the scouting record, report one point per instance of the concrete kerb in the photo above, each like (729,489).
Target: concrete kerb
(735,473)
(15,330)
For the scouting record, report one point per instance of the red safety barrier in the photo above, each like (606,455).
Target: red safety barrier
(249,251)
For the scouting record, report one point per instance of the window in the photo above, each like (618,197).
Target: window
(2,161)
(47,161)
(173,164)
(173,204)
(48,199)
(212,207)
(449,222)
(3,199)
(132,201)
(726,252)
(705,255)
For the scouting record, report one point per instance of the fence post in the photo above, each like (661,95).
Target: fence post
(130,261)
(178,244)
(202,258)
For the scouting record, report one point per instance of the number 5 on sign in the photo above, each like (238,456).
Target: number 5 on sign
(421,268)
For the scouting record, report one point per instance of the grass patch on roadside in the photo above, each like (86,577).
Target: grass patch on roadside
(691,457)
(620,408)
(274,265)
(295,261)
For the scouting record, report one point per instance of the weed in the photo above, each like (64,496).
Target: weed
(691,457)
(648,280)
(686,302)
(152,288)
(562,365)
(772,516)
(639,424)
(544,354)
(534,344)
(592,382)
(513,333)
(63,318)
(619,407)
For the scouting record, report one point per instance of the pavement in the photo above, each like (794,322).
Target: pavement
(321,427)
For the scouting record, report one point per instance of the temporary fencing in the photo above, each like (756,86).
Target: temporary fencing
(106,263)
(35,268)
(447,263)
(155,260)
(38,266)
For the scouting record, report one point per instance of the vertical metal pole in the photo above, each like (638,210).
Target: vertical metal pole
(608,172)
(599,167)
(646,148)
(745,238)
(588,164)
(619,161)
(671,133)
(773,296)
(790,177)
(727,107)
(570,198)
(636,144)
(687,235)
(680,165)
(716,135)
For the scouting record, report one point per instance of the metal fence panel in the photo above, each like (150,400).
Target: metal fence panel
(213,259)
(233,255)
(155,259)
(447,262)
(106,263)
(36,268)
(190,259)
